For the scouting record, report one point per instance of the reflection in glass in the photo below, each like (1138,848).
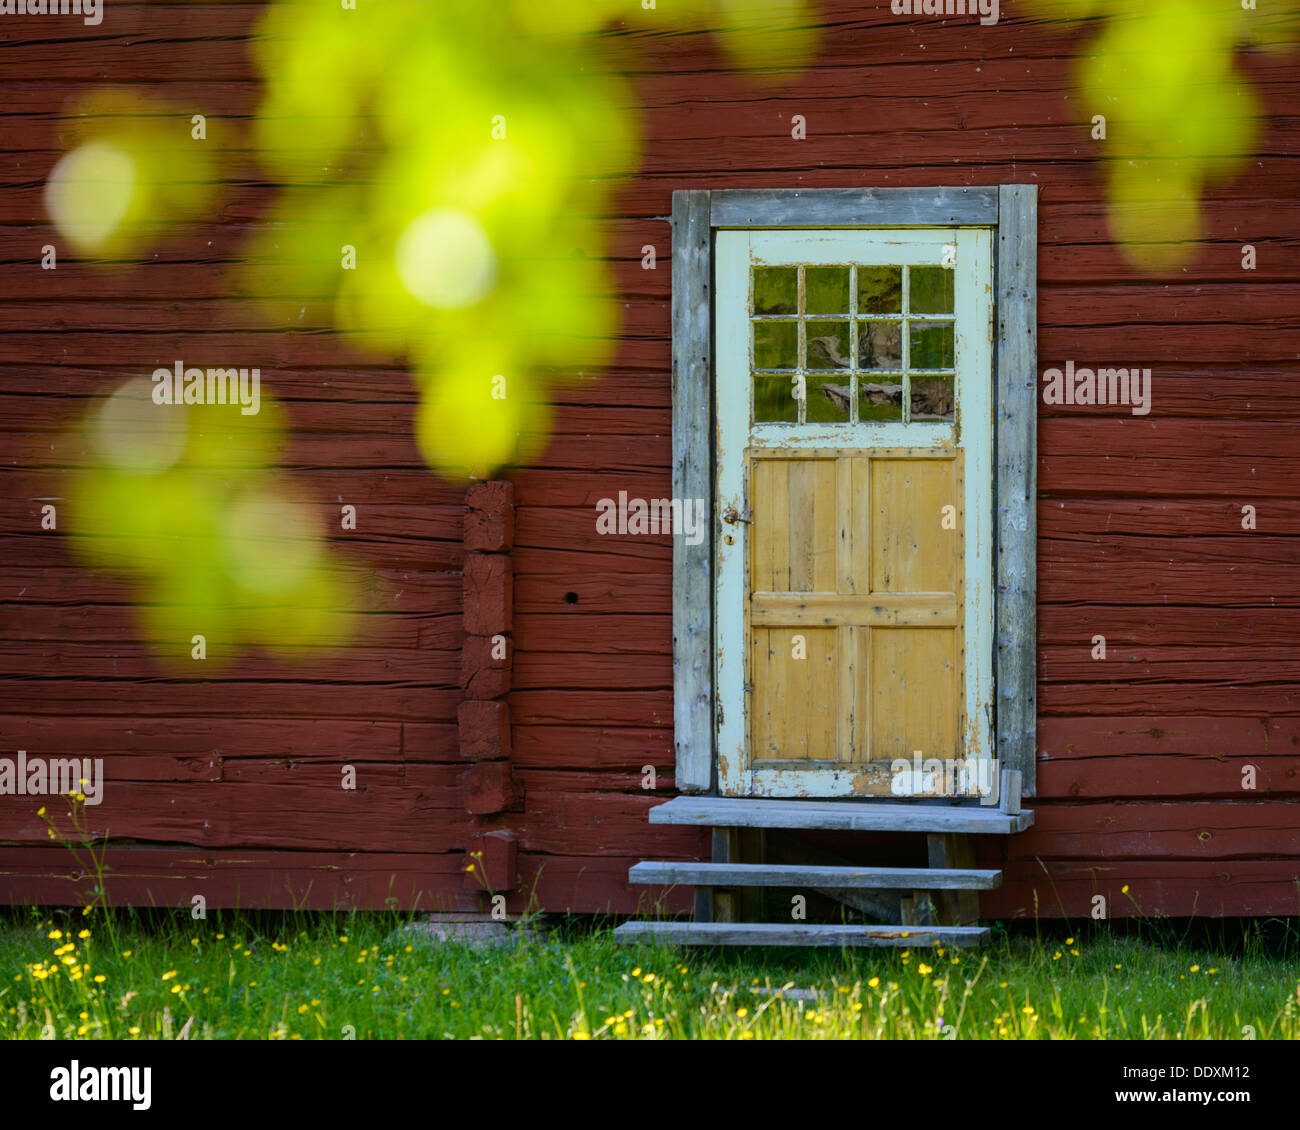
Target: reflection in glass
(880,345)
(829,400)
(776,345)
(880,401)
(828,345)
(933,398)
(776,290)
(930,290)
(880,290)
(826,290)
(774,400)
(931,345)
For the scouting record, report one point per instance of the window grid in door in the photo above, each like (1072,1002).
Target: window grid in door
(892,324)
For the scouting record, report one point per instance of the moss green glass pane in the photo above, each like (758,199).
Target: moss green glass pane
(880,345)
(828,345)
(933,397)
(931,345)
(826,290)
(931,290)
(880,290)
(774,401)
(828,400)
(776,345)
(776,290)
(880,400)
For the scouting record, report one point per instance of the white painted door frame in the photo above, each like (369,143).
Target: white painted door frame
(736,252)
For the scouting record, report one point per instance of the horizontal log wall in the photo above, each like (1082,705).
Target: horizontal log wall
(229,785)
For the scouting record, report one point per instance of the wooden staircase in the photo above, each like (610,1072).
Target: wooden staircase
(941,903)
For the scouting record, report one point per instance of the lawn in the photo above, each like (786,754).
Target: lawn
(148,975)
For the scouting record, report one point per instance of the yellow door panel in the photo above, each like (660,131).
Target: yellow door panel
(799,550)
(854,609)
(796,680)
(915,684)
(911,551)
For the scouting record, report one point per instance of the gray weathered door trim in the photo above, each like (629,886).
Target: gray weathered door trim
(1012,211)
(693,479)
(1015,443)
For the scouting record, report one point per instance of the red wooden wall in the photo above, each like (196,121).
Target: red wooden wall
(228,786)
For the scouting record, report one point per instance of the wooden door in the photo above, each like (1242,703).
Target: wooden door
(854,487)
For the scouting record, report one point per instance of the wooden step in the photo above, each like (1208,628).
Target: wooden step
(795,934)
(790,875)
(839,815)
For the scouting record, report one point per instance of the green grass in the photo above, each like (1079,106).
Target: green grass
(324,976)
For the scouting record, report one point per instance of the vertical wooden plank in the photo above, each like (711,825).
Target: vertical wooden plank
(1009,792)
(752,843)
(976,398)
(846,576)
(1016,421)
(860,503)
(863,733)
(825,525)
(764,732)
(793,701)
(734,489)
(726,849)
(774,532)
(761,567)
(703,904)
(951,850)
(846,645)
(914,692)
(803,530)
(692,479)
(911,551)
(814,713)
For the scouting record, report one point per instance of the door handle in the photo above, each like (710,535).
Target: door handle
(730,516)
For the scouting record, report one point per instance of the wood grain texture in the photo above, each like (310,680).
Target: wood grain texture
(1015,420)
(794,875)
(853,207)
(692,479)
(1139,519)
(795,934)
(856,816)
